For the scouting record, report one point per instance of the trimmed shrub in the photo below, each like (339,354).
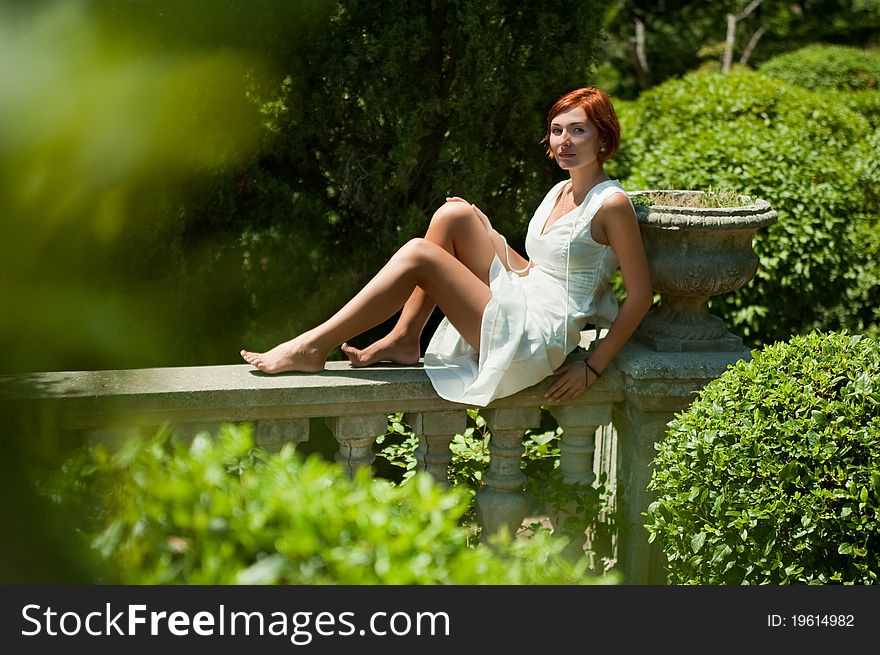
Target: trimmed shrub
(823,66)
(866,103)
(219,511)
(851,76)
(772,476)
(802,152)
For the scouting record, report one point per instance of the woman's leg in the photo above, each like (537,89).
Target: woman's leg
(455,228)
(420,263)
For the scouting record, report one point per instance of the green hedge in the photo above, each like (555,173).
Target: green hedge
(823,66)
(851,76)
(219,511)
(772,476)
(866,103)
(809,156)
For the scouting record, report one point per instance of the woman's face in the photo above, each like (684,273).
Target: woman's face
(574,140)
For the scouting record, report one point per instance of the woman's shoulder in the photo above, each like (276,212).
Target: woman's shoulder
(617,197)
(616,205)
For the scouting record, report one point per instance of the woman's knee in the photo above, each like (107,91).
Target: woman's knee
(453,212)
(418,252)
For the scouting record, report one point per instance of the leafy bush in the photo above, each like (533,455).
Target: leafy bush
(866,103)
(851,76)
(219,511)
(772,476)
(802,152)
(822,66)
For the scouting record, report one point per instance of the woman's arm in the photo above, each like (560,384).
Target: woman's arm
(509,257)
(621,229)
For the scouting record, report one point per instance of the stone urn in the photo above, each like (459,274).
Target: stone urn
(695,251)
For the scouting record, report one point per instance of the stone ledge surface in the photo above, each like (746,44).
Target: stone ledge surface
(241,393)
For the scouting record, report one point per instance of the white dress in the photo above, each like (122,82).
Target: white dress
(532,322)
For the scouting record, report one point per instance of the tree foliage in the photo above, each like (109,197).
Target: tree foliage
(360,119)
(850,75)
(822,66)
(682,35)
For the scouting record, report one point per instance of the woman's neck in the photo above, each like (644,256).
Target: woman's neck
(582,180)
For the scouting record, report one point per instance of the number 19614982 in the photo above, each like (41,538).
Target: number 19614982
(811,621)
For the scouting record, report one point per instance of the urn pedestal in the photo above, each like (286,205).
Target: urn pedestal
(695,253)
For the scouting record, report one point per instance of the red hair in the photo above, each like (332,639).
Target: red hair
(600,112)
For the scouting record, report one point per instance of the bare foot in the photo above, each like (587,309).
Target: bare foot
(293,355)
(386,349)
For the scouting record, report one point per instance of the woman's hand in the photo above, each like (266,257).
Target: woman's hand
(483,218)
(574,378)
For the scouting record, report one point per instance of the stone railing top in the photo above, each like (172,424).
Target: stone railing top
(84,399)
(241,393)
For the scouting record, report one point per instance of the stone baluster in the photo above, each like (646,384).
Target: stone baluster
(272,434)
(435,431)
(578,443)
(355,436)
(576,462)
(603,541)
(605,458)
(502,502)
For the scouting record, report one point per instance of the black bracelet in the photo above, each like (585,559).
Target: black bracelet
(595,372)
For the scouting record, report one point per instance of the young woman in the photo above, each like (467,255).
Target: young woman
(510,321)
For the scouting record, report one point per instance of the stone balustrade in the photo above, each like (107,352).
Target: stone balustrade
(628,408)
